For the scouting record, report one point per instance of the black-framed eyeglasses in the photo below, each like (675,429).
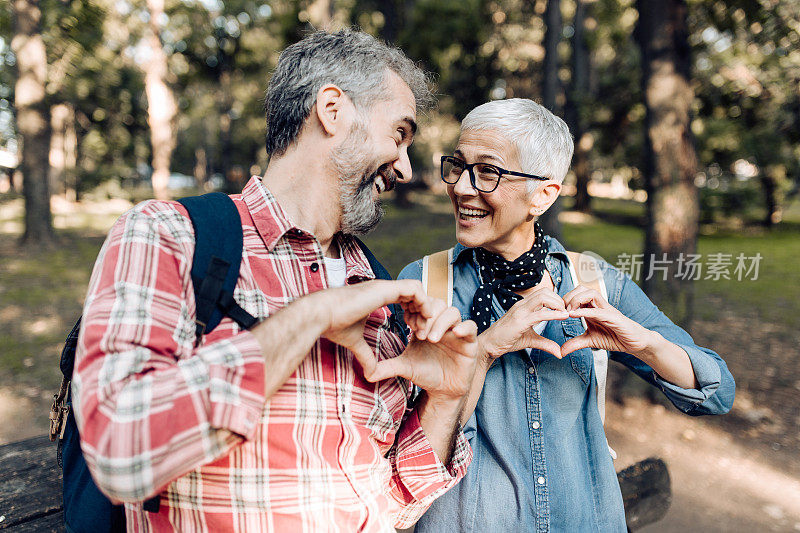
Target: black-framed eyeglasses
(484,177)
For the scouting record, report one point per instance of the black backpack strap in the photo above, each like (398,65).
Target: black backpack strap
(217,257)
(396,321)
(67,362)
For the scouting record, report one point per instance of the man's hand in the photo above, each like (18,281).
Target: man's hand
(514,330)
(344,312)
(441,356)
(441,359)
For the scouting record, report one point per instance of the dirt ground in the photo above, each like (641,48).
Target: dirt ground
(718,483)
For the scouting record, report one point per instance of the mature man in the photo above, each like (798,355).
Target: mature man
(295,425)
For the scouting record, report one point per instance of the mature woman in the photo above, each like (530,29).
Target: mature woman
(541,461)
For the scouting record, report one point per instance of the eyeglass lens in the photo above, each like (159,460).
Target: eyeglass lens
(486,176)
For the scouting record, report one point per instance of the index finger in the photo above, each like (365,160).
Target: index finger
(408,292)
(412,296)
(583,295)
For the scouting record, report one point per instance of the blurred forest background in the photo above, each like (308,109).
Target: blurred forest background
(686,117)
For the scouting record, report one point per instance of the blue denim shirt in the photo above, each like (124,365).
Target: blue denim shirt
(540,458)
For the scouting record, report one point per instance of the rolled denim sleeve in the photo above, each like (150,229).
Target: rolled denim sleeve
(716,386)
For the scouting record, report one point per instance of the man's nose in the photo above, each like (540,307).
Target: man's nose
(402,166)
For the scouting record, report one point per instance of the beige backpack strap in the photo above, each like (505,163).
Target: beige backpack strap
(585,270)
(437,275)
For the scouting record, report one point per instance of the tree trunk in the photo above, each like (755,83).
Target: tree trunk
(33,122)
(232,180)
(577,97)
(670,159)
(391,20)
(161,108)
(200,167)
(63,150)
(551,87)
(770,188)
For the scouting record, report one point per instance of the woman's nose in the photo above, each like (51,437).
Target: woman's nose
(463,187)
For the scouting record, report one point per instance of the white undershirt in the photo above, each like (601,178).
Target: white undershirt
(337,271)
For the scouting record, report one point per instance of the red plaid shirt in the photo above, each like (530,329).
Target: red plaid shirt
(328,452)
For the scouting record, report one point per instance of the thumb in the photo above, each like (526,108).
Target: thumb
(577,343)
(390,368)
(547,345)
(364,355)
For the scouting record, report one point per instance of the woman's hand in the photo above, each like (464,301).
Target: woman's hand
(606,327)
(514,330)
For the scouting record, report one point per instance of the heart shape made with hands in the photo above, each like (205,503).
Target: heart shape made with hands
(606,327)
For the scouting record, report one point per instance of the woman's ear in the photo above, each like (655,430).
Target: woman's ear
(329,107)
(543,197)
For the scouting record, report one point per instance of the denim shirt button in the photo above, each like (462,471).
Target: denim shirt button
(535,425)
(531,370)
(540,480)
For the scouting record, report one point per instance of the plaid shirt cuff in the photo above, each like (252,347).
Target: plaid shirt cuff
(421,472)
(235,373)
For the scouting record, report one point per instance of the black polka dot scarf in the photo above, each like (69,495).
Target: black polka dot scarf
(501,278)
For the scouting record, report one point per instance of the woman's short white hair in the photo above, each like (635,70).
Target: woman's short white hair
(544,143)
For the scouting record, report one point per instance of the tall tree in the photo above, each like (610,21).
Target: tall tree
(33,121)
(551,88)
(576,107)
(63,150)
(161,107)
(670,163)
(394,17)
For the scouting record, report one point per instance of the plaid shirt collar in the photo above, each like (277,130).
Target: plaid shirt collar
(272,223)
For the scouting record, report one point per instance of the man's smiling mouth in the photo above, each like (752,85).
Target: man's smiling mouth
(384,180)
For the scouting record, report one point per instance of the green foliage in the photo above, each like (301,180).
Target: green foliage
(221,53)
(746,78)
(732,198)
(448,37)
(616,109)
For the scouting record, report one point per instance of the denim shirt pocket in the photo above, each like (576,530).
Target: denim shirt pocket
(580,359)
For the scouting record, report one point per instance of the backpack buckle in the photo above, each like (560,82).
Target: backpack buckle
(59,412)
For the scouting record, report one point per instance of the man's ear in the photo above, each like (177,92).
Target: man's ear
(331,106)
(543,197)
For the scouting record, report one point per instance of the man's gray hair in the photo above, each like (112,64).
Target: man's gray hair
(543,141)
(352,60)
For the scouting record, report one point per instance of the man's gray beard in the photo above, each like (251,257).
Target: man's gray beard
(360,212)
